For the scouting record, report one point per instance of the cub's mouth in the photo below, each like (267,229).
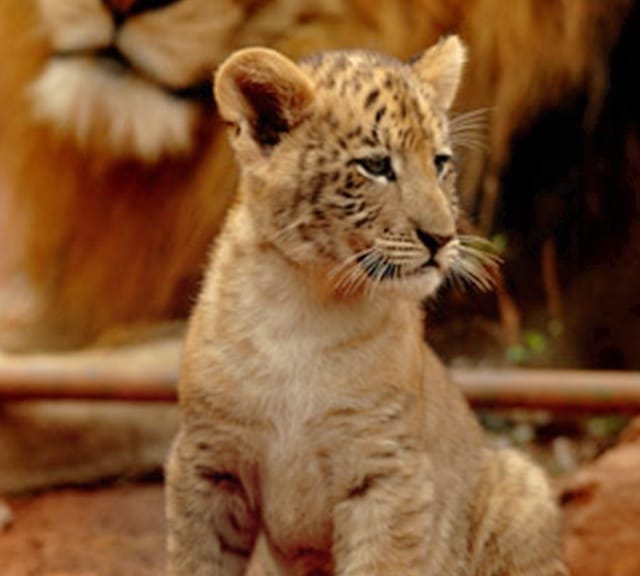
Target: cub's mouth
(379,268)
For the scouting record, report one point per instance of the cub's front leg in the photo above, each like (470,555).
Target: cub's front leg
(383,527)
(515,520)
(212,522)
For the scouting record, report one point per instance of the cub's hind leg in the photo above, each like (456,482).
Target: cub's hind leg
(516,524)
(212,524)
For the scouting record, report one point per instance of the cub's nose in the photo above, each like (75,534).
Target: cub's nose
(433,241)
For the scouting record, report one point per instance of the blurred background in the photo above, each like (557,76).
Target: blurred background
(558,189)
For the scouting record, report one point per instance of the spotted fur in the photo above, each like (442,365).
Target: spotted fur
(312,410)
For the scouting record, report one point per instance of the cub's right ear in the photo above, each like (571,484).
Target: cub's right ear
(441,67)
(262,90)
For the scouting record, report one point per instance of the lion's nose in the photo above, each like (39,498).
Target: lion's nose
(122,9)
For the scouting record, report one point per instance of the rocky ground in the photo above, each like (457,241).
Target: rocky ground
(118,530)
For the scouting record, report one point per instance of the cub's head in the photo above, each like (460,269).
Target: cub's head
(126,78)
(347,163)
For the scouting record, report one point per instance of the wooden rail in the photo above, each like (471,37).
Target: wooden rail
(556,390)
(145,373)
(150,375)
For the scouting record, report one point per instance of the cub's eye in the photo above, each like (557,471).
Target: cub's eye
(376,166)
(441,161)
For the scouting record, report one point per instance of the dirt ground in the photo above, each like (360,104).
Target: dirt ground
(102,532)
(119,530)
(110,531)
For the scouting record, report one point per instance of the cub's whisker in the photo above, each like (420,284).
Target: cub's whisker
(477,115)
(477,263)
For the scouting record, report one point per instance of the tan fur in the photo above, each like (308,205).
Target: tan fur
(312,411)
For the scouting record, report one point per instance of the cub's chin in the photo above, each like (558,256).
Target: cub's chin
(104,107)
(417,286)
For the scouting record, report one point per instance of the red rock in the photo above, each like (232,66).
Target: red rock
(601,506)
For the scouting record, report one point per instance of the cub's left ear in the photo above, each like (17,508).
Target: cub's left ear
(441,67)
(263,89)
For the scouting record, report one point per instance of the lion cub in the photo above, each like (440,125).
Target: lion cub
(313,412)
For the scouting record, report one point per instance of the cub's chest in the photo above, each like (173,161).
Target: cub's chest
(310,439)
(304,425)
(316,451)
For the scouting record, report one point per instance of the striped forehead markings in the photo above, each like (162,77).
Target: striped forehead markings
(394,112)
